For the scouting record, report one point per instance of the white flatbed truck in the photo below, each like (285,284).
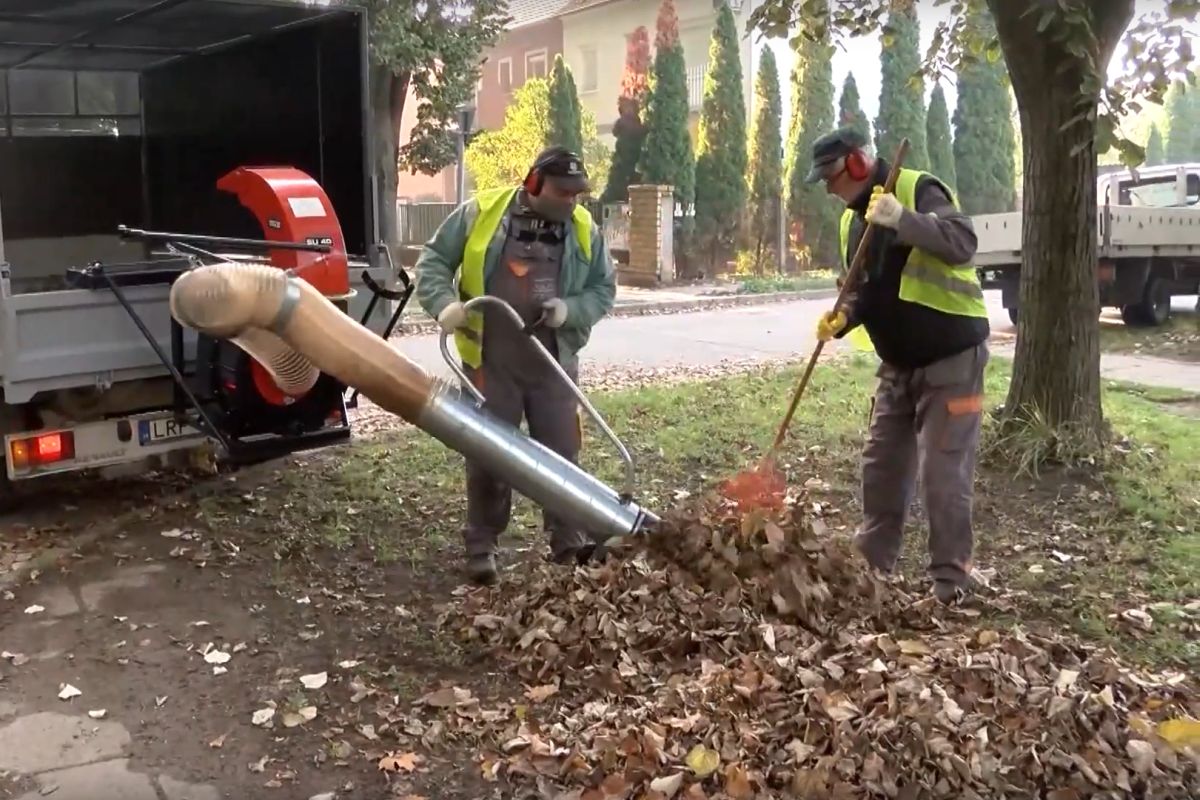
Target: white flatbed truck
(1148,243)
(124,114)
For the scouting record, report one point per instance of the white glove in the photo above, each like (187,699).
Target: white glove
(453,317)
(884,209)
(556,312)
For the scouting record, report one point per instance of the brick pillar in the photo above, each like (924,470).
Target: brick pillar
(646,252)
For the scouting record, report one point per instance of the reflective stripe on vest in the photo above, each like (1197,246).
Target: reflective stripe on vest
(926,279)
(492,206)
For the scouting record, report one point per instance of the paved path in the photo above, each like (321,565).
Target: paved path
(783,331)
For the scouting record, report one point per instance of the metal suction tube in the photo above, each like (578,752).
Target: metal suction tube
(231,300)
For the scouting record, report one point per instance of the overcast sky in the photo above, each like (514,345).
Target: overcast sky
(861,55)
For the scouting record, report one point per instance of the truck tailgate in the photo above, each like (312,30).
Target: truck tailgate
(83,337)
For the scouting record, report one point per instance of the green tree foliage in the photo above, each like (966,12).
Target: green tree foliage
(667,157)
(901,92)
(812,116)
(765,178)
(984,139)
(1183,123)
(1155,154)
(938,140)
(565,118)
(850,113)
(721,141)
(502,157)
(628,130)
(432,50)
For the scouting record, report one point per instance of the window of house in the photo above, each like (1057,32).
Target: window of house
(535,64)
(504,71)
(587,78)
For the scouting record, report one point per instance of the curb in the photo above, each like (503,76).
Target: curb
(664,307)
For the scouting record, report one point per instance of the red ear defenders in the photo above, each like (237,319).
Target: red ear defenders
(534,180)
(856,165)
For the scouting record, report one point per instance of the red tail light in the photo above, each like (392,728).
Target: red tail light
(46,448)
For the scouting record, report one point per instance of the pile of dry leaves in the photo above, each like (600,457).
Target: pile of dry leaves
(750,657)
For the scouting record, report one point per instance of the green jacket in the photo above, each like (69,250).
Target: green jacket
(588,287)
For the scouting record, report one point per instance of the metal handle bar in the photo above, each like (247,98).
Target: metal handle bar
(630,470)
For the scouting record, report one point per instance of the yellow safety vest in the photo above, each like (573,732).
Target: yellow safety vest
(492,206)
(926,279)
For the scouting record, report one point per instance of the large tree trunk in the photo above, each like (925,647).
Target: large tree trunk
(389,92)
(1056,374)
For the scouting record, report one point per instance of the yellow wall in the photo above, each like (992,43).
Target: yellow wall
(604,28)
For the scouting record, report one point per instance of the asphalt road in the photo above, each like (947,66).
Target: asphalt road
(699,338)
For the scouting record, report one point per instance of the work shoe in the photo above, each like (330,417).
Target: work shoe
(948,592)
(482,569)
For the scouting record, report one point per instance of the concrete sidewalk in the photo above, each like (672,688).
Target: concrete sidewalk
(1163,373)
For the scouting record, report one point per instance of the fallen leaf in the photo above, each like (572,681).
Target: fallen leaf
(35,609)
(348,664)
(67,691)
(218,742)
(173,533)
(702,761)
(217,657)
(737,783)
(405,762)
(262,716)
(1141,755)
(98,713)
(914,647)
(538,694)
(667,786)
(1180,733)
(260,765)
(314,681)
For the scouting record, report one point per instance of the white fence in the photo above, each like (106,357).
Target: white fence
(695,86)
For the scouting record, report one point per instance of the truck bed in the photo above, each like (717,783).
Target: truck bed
(84,337)
(1122,232)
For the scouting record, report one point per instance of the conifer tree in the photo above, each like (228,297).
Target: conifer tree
(667,157)
(938,138)
(812,117)
(565,118)
(765,177)
(984,137)
(1154,148)
(901,94)
(628,130)
(721,143)
(850,113)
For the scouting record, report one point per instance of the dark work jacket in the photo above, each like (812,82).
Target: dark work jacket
(909,335)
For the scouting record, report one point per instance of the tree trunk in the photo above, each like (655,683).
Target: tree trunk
(387,111)
(1056,373)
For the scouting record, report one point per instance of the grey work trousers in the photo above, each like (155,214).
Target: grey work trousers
(551,410)
(924,421)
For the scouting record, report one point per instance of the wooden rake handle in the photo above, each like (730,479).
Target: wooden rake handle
(860,255)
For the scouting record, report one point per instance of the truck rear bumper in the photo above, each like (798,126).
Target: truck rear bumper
(120,440)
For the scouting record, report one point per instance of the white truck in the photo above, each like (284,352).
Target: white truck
(123,120)
(1148,243)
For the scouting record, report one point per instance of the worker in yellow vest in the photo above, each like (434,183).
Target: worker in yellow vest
(919,300)
(535,247)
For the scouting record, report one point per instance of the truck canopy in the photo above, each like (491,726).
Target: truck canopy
(127,112)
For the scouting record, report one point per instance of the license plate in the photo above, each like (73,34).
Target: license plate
(165,429)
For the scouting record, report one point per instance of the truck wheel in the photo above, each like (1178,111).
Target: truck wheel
(1153,310)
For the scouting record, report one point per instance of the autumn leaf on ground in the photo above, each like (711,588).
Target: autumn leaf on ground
(703,761)
(404,762)
(737,783)
(538,694)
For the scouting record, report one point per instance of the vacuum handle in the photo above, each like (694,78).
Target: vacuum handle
(443,343)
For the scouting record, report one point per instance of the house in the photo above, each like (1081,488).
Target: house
(594,34)
(416,187)
(533,38)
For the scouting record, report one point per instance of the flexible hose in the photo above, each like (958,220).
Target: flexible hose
(267,308)
(293,373)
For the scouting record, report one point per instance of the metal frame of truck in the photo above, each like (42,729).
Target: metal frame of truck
(1147,252)
(127,395)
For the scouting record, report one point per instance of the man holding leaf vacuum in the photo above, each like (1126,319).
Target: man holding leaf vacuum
(919,300)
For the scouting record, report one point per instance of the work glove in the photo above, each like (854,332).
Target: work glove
(884,209)
(554,312)
(453,317)
(830,325)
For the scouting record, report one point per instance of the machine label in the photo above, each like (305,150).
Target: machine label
(318,240)
(306,206)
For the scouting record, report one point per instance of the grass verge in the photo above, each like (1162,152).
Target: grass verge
(1178,339)
(819,279)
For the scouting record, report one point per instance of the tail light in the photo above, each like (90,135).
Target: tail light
(45,448)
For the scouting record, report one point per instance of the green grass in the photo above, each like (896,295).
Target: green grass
(823,279)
